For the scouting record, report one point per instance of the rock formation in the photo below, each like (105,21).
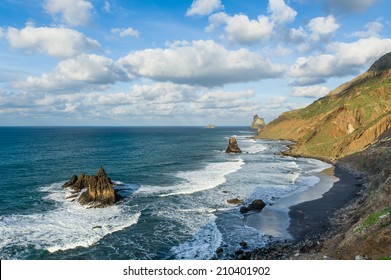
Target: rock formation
(233,146)
(210,126)
(258,123)
(96,191)
(256,205)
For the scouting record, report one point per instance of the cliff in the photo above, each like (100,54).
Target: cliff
(347,120)
(366,228)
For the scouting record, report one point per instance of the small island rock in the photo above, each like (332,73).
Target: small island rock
(98,190)
(258,123)
(233,146)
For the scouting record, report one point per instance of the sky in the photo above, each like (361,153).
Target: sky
(179,62)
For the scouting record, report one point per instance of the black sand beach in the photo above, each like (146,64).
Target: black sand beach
(312,218)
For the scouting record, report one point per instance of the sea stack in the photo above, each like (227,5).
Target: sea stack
(95,191)
(233,146)
(258,123)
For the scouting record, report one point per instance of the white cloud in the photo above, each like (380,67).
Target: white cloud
(240,29)
(123,32)
(204,7)
(349,5)
(60,42)
(107,7)
(281,12)
(150,101)
(316,91)
(344,59)
(72,12)
(276,102)
(373,30)
(84,71)
(243,30)
(202,63)
(323,27)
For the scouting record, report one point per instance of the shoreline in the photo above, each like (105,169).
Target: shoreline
(275,220)
(310,222)
(311,219)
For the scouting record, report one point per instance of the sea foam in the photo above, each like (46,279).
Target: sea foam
(68,226)
(209,177)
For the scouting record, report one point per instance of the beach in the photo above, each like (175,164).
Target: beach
(312,218)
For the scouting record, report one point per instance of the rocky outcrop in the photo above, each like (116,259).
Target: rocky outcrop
(256,205)
(95,191)
(233,146)
(382,64)
(258,123)
(210,126)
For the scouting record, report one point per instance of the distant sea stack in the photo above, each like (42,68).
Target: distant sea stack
(258,123)
(233,146)
(346,121)
(95,191)
(210,126)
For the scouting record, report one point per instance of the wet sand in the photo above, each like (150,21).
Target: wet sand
(311,218)
(307,213)
(274,219)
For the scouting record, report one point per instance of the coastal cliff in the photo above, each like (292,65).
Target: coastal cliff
(347,120)
(350,127)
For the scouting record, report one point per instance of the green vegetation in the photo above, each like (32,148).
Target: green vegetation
(373,219)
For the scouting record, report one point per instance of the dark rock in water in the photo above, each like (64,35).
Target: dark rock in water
(71,181)
(244,210)
(243,244)
(233,146)
(256,205)
(219,250)
(98,190)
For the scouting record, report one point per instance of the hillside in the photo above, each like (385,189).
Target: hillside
(366,228)
(347,120)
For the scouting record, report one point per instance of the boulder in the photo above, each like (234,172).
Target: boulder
(233,146)
(96,191)
(256,205)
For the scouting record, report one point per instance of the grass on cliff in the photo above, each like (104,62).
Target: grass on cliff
(373,219)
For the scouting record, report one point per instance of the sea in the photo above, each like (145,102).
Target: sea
(175,183)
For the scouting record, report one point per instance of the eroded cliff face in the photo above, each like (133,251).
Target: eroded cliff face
(367,225)
(346,121)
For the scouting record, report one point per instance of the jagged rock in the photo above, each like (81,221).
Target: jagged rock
(258,123)
(98,190)
(233,146)
(210,126)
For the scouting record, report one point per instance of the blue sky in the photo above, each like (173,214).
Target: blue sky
(180,62)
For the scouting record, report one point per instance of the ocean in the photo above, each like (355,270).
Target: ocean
(175,182)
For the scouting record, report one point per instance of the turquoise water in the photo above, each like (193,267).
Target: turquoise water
(175,180)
